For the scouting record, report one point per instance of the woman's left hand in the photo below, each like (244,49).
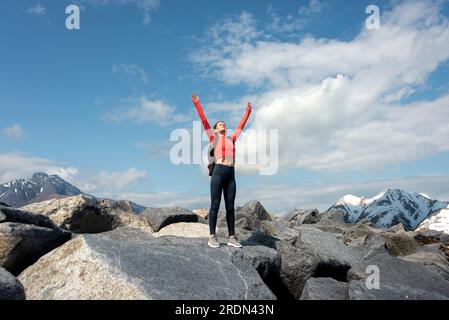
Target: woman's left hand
(248,106)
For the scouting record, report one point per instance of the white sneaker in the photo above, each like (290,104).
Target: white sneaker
(213,242)
(234,242)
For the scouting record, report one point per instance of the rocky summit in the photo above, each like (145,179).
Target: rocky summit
(81,247)
(41,186)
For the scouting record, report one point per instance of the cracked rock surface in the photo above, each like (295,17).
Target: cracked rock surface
(128,263)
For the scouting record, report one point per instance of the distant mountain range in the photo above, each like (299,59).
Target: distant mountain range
(389,208)
(39,187)
(386,209)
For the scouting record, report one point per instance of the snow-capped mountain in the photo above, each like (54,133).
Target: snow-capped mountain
(39,187)
(439,221)
(389,208)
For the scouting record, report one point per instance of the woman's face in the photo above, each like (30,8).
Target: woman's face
(221,126)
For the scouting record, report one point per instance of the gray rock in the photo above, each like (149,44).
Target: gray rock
(337,216)
(122,214)
(400,244)
(324,289)
(161,217)
(131,264)
(369,246)
(248,217)
(267,262)
(298,264)
(278,229)
(431,257)
(2,217)
(359,230)
(23,244)
(10,287)
(329,246)
(203,220)
(241,234)
(398,278)
(79,214)
(260,238)
(333,221)
(314,253)
(87,214)
(184,229)
(430,236)
(298,217)
(23,216)
(357,290)
(397,241)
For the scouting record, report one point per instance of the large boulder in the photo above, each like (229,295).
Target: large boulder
(129,263)
(430,236)
(298,264)
(298,217)
(396,240)
(122,214)
(267,262)
(248,217)
(200,230)
(87,214)
(161,217)
(431,257)
(11,214)
(79,214)
(314,253)
(324,289)
(333,221)
(22,244)
(201,212)
(359,231)
(184,229)
(10,287)
(398,279)
(278,229)
(400,244)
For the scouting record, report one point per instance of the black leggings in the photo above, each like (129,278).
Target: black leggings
(223,179)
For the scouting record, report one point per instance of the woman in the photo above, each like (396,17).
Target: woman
(223,176)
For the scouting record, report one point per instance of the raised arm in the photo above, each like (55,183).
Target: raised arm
(206,125)
(242,123)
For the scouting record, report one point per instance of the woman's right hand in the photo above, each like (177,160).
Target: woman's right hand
(195,98)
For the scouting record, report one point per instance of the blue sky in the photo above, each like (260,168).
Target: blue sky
(357,110)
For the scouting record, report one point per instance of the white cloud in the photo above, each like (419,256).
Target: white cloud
(283,25)
(145,6)
(37,9)
(130,70)
(143,110)
(111,182)
(338,104)
(15,132)
(287,26)
(313,7)
(16,165)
